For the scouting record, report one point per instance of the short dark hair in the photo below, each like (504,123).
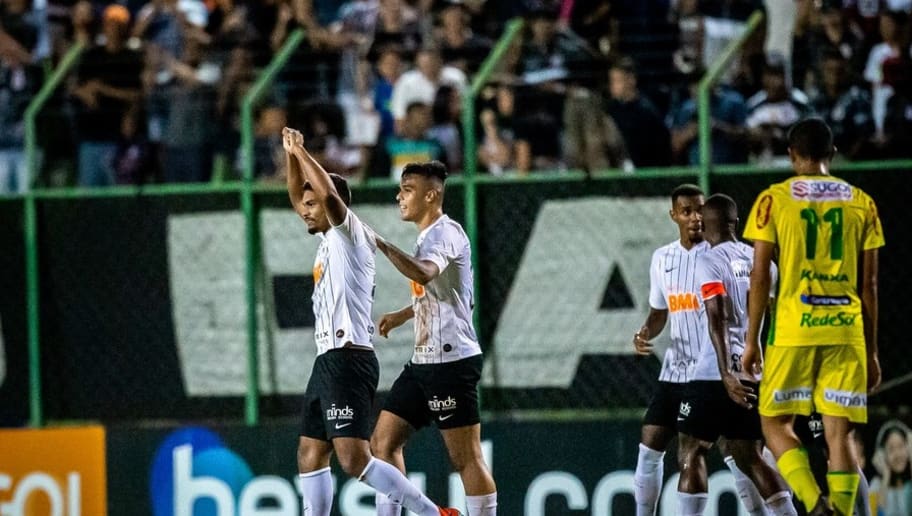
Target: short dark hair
(724,205)
(811,138)
(624,64)
(341,185)
(416,105)
(429,169)
(685,190)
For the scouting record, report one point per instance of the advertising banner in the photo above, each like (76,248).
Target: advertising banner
(58,472)
(541,468)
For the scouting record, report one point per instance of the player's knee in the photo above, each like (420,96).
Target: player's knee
(466,457)
(690,450)
(309,459)
(353,461)
(384,449)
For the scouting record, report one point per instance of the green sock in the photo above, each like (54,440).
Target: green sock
(843,489)
(796,470)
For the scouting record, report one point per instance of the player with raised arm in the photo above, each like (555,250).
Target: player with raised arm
(439,384)
(342,385)
(675,295)
(718,386)
(822,348)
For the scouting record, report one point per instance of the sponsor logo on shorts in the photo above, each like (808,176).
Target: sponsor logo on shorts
(438,405)
(799,394)
(809,320)
(334,413)
(846,398)
(444,418)
(683,410)
(809,275)
(810,299)
(821,191)
(339,426)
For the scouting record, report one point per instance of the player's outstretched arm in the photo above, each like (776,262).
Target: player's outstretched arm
(869,313)
(294,179)
(757,301)
(717,320)
(419,271)
(320,181)
(653,326)
(392,320)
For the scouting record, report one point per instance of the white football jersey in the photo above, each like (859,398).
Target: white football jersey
(443,308)
(725,270)
(344,286)
(673,287)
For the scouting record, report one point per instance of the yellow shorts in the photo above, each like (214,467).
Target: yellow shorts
(829,379)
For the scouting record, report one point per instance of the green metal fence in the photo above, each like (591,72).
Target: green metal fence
(563,185)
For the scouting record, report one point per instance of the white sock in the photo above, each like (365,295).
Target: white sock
(386,479)
(780,504)
(691,504)
(747,491)
(484,505)
(863,499)
(316,490)
(647,480)
(385,506)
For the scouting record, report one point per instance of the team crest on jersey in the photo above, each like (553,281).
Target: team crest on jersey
(417,289)
(816,190)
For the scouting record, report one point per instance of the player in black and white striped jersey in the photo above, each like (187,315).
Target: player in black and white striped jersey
(674,297)
(342,385)
(440,383)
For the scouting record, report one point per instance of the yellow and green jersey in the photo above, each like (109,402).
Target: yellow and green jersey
(821,225)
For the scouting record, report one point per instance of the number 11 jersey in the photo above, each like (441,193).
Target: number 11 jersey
(821,225)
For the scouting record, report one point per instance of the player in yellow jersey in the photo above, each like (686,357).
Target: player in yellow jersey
(822,348)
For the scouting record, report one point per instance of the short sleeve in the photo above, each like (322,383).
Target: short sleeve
(760,223)
(357,232)
(709,278)
(656,293)
(440,246)
(873,237)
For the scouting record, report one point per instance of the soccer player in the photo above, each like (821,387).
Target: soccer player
(822,350)
(718,387)
(340,392)
(675,295)
(439,384)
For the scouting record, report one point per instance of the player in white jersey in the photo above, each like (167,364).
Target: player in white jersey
(718,387)
(340,392)
(440,383)
(675,295)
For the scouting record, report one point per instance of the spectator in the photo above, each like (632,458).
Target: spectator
(897,138)
(833,33)
(728,113)
(446,129)
(411,145)
(645,135)
(772,111)
(420,85)
(894,31)
(893,483)
(846,108)
(189,130)
(18,83)
(459,46)
(497,141)
(398,24)
(592,141)
(84,23)
(388,70)
(107,86)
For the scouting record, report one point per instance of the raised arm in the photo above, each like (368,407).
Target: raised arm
(869,313)
(294,177)
(419,271)
(319,180)
(757,302)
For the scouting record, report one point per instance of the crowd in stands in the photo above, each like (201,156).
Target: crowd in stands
(590,84)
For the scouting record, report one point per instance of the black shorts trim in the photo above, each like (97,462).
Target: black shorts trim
(445,394)
(340,394)
(664,405)
(707,413)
